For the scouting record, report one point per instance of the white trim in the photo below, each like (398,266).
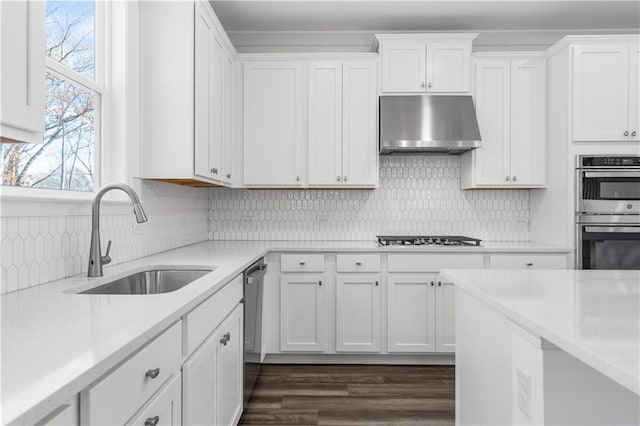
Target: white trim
(62,71)
(591,39)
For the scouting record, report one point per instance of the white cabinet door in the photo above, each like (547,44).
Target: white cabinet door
(403,66)
(528,138)
(302,313)
(492,98)
(601,92)
(217,98)
(204,82)
(22,55)
(227,119)
(359,141)
(273,124)
(199,393)
(325,123)
(358,313)
(448,67)
(445,316)
(164,409)
(411,318)
(230,368)
(634,92)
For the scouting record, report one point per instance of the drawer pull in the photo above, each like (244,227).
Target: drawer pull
(529,263)
(303,263)
(152,374)
(320,283)
(359,263)
(152,421)
(433,283)
(225,338)
(377,283)
(439,283)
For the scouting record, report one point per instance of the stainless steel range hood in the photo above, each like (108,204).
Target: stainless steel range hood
(428,124)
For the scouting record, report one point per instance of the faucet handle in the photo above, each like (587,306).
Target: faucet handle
(106,259)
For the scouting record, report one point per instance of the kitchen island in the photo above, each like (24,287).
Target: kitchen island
(547,347)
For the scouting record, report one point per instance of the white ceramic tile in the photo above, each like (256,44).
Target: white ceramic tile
(417,195)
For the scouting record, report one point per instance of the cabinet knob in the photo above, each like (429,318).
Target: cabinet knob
(515,178)
(439,283)
(359,263)
(429,85)
(344,179)
(377,283)
(626,133)
(422,84)
(634,133)
(433,283)
(338,178)
(507,178)
(303,263)
(228,175)
(320,283)
(152,421)
(529,263)
(297,178)
(214,171)
(225,338)
(152,374)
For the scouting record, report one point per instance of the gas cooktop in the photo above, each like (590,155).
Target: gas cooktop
(437,240)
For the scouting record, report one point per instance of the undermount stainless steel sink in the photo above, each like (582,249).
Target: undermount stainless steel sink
(154,281)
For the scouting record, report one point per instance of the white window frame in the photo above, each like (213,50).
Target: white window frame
(100,87)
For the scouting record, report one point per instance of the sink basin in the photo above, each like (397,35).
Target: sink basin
(155,281)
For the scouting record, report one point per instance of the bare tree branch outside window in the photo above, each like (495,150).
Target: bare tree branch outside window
(65,160)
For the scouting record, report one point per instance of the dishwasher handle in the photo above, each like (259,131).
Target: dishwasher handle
(256,273)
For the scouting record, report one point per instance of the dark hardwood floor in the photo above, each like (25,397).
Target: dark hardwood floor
(352,395)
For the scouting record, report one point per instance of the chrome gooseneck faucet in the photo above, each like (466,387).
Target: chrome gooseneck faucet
(96,260)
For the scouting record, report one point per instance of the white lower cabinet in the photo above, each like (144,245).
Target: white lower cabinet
(410,306)
(446,307)
(528,261)
(164,409)
(212,376)
(302,312)
(358,313)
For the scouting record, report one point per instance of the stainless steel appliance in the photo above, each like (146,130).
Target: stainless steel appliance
(428,124)
(253,291)
(608,212)
(396,240)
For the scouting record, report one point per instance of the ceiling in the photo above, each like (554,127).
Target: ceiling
(450,15)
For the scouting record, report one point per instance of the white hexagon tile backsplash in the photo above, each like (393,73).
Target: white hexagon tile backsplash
(417,195)
(39,249)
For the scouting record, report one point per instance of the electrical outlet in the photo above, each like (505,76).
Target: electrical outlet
(524,392)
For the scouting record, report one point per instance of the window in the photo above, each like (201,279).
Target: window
(67,158)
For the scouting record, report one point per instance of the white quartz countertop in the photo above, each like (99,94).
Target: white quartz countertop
(593,315)
(54,342)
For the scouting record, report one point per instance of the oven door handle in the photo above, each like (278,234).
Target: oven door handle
(627,174)
(613,229)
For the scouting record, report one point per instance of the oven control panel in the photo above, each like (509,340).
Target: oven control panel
(612,161)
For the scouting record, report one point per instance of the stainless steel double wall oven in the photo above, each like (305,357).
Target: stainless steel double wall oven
(608,212)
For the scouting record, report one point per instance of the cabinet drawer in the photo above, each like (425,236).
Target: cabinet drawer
(302,263)
(421,262)
(166,406)
(358,263)
(200,323)
(118,396)
(538,261)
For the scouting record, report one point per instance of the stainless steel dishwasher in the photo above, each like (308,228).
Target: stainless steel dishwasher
(253,290)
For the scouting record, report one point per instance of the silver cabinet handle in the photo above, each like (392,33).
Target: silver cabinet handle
(320,283)
(152,421)
(633,133)
(338,178)
(626,133)
(228,175)
(303,263)
(344,179)
(515,178)
(377,283)
(507,178)
(432,283)
(225,338)
(152,374)
(297,178)
(529,264)
(422,84)
(214,171)
(439,283)
(429,85)
(358,263)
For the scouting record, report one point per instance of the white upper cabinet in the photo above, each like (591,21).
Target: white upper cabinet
(605,92)
(426,63)
(186,96)
(342,124)
(510,100)
(273,124)
(22,55)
